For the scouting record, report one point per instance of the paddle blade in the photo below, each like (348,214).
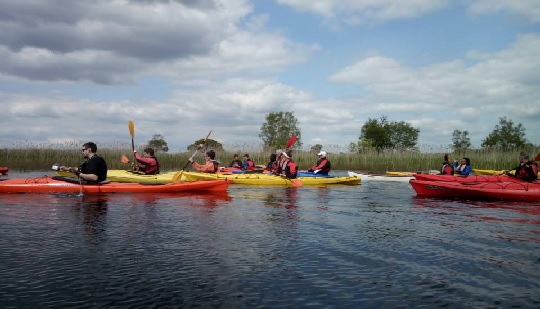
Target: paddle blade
(297,183)
(537,158)
(124,159)
(131,128)
(291,141)
(207,135)
(177,176)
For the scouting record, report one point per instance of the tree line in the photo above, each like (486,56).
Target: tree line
(376,134)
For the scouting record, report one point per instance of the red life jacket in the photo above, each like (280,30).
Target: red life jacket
(250,165)
(527,172)
(291,170)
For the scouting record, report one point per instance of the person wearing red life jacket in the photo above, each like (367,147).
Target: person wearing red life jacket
(289,167)
(322,166)
(527,170)
(447,167)
(249,165)
(276,167)
(148,164)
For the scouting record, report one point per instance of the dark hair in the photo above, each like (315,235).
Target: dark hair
(467,161)
(91,146)
(445,157)
(149,150)
(211,154)
(523,155)
(246,155)
(273,157)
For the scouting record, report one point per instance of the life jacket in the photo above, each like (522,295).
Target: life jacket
(447,169)
(291,170)
(529,173)
(216,165)
(150,169)
(249,165)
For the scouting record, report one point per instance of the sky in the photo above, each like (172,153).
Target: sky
(77,71)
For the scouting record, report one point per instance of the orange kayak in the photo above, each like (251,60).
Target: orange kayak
(46,184)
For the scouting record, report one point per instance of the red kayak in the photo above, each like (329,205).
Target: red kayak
(46,184)
(514,191)
(4,170)
(469,178)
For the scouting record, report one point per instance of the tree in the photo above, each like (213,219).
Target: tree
(402,135)
(278,128)
(353,147)
(158,143)
(460,140)
(316,148)
(506,136)
(210,144)
(382,134)
(375,134)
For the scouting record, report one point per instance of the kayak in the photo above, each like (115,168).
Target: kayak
(4,170)
(486,172)
(46,184)
(399,173)
(272,180)
(380,177)
(514,191)
(469,178)
(493,172)
(130,176)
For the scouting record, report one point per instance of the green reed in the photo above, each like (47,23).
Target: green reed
(42,157)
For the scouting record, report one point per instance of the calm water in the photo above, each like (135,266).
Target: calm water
(370,246)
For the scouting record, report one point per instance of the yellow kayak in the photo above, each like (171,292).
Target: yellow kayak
(488,172)
(269,180)
(493,172)
(400,173)
(129,176)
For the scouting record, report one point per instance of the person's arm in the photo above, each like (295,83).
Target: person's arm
(208,167)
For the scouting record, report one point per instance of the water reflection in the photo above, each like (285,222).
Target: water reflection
(93,210)
(499,213)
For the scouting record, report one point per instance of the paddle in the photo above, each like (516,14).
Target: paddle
(296,183)
(178,175)
(291,142)
(132,133)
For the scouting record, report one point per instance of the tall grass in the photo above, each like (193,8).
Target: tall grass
(42,157)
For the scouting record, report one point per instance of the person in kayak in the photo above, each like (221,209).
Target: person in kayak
(273,161)
(94,169)
(322,166)
(148,164)
(249,165)
(211,165)
(447,167)
(464,168)
(236,162)
(289,167)
(527,170)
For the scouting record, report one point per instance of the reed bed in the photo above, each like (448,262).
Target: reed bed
(42,157)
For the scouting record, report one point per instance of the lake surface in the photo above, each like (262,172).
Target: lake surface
(375,245)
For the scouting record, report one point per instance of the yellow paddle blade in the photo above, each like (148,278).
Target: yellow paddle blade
(177,176)
(131,128)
